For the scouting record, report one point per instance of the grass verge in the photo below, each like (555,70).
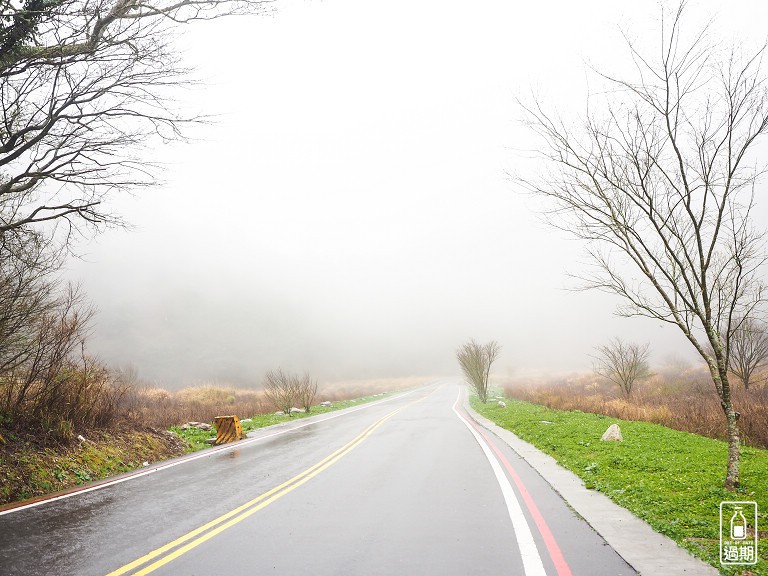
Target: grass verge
(196,439)
(29,468)
(673,480)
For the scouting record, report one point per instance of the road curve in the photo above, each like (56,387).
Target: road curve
(407,486)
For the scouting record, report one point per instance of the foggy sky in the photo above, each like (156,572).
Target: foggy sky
(349,212)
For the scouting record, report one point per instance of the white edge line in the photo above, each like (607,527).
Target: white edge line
(203,454)
(532,564)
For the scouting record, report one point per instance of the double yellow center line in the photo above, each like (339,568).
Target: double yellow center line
(185,543)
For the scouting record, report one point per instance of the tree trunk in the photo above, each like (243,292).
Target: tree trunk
(734,455)
(732,421)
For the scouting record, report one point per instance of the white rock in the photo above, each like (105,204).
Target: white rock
(326,403)
(246,420)
(613,434)
(297,410)
(145,464)
(279,413)
(203,426)
(81,438)
(501,404)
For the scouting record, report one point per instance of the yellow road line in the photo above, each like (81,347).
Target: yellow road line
(163,549)
(251,507)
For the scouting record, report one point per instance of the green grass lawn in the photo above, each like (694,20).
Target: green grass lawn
(672,480)
(196,439)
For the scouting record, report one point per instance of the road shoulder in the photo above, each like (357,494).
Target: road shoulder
(644,549)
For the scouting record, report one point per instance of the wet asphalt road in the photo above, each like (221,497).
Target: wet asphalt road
(398,487)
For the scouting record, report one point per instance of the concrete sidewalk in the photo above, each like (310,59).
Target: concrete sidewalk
(647,551)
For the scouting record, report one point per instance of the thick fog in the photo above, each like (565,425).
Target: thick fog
(349,210)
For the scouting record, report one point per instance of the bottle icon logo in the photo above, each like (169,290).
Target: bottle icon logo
(738,533)
(738,525)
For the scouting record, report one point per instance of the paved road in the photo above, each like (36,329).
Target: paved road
(405,486)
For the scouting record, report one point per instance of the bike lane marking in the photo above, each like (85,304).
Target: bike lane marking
(528,550)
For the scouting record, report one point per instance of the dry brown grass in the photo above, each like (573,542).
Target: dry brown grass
(162,408)
(682,399)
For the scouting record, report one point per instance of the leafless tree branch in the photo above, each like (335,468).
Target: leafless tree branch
(85,87)
(659,182)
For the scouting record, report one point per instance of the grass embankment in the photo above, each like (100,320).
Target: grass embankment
(673,480)
(196,439)
(29,468)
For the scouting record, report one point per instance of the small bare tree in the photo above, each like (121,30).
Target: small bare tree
(307,390)
(659,181)
(623,363)
(476,361)
(47,382)
(748,349)
(280,388)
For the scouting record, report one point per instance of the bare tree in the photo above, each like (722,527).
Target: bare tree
(307,390)
(282,389)
(748,349)
(84,85)
(47,382)
(476,361)
(623,363)
(27,292)
(658,180)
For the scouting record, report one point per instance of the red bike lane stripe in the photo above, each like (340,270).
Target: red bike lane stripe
(549,539)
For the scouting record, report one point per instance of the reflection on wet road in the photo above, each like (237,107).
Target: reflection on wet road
(397,486)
